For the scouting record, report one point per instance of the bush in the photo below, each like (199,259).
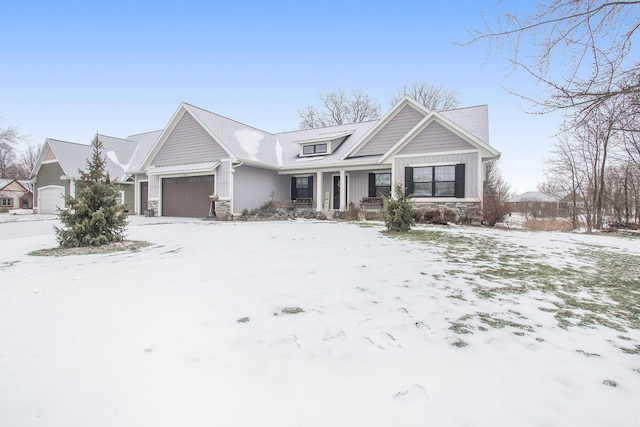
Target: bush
(449,216)
(398,212)
(352,213)
(4,210)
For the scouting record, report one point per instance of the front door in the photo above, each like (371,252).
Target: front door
(336,191)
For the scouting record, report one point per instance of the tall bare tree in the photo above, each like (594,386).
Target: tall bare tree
(340,108)
(433,97)
(497,192)
(580,49)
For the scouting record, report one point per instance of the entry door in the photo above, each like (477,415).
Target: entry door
(144,197)
(336,191)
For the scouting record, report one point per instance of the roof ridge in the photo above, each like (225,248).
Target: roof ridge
(326,127)
(144,133)
(464,108)
(67,142)
(229,119)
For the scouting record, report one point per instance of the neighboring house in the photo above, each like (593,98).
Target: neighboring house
(438,156)
(538,205)
(59,164)
(15,194)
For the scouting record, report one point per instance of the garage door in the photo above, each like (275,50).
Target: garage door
(49,198)
(186,196)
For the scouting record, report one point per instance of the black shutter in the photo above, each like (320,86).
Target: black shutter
(311,187)
(408,180)
(460,181)
(294,193)
(372,185)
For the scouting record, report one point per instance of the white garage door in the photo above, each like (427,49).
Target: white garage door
(49,198)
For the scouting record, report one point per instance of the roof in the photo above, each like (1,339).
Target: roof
(533,196)
(122,155)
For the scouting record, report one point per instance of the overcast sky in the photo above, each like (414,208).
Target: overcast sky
(123,67)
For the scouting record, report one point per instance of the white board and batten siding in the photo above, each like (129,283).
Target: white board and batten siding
(433,139)
(253,187)
(188,143)
(472,186)
(392,132)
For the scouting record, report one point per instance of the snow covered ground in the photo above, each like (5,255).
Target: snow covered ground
(306,323)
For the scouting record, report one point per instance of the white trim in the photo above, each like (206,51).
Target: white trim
(333,167)
(436,153)
(46,162)
(436,164)
(343,198)
(445,199)
(46,187)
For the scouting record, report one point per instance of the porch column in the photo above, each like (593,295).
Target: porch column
(343,191)
(72,187)
(319,195)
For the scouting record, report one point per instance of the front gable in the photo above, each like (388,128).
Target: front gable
(15,187)
(390,129)
(187,143)
(435,138)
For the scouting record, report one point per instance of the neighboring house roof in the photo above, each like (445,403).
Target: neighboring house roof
(533,196)
(145,143)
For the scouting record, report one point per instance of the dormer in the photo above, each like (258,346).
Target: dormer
(323,144)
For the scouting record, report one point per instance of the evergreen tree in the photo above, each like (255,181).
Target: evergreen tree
(92,218)
(398,211)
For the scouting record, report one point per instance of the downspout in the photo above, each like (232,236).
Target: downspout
(231,184)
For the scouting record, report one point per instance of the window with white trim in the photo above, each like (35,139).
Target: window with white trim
(6,202)
(314,149)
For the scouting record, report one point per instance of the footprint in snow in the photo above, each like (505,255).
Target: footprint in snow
(415,394)
(333,334)
(291,341)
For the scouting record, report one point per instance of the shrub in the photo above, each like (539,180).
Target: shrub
(449,216)
(398,212)
(352,212)
(4,210)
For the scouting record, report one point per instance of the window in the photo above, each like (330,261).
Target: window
(314,149)
(435,181)
(301,187)
(379,184)
(6,202)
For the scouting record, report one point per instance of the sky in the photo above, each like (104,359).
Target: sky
(119,68)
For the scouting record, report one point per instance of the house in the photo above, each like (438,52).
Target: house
(59,164)
(439,157)
(537,205)
(15,194)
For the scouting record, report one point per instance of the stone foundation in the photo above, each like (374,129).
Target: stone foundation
(152,208)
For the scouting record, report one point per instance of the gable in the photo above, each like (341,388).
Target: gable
(392,132)
(14,187)
(49,156)
(435,138)
(188,143)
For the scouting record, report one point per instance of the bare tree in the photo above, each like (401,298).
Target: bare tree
(9,138)
(433,97)
(588,42)
(497,192)
(339,108)
(27,160)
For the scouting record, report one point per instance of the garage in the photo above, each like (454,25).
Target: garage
(49,198)
(187,196)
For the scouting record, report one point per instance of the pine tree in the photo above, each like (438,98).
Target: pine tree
(398,212)
(93,217)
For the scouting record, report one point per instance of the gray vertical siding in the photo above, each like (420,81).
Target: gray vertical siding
(188,143)
(253,187)
(129,196)
(358,186)
(472,187)
(223,174)
(390,134)
(50,174)
(154,187)
(434,138)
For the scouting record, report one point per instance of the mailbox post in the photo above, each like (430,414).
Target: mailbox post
(212,209)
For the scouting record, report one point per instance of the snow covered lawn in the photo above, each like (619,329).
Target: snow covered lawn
(306,323)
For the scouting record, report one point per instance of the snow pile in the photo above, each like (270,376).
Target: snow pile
(294,323)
